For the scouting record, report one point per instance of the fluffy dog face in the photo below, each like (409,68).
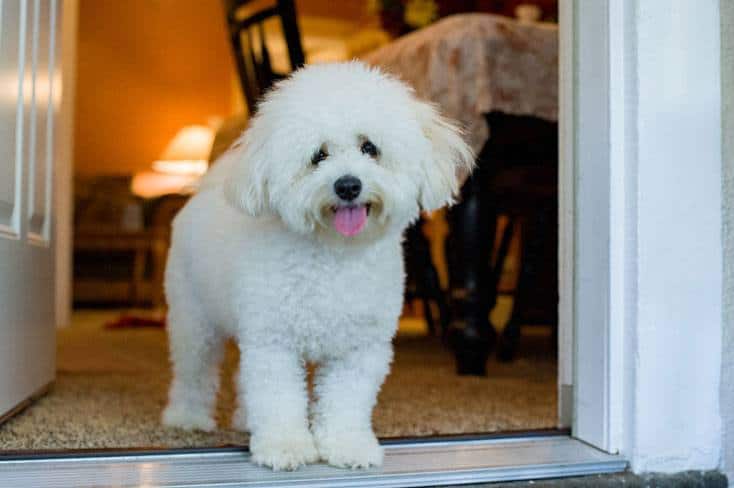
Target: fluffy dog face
(348,153)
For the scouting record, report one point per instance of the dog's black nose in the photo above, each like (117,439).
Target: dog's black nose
(348,187)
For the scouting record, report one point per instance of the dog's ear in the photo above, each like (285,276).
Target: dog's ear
(246,185)
(451,159)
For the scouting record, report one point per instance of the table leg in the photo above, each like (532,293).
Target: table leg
(473,224)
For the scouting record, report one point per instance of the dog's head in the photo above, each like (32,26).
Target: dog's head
(345,151)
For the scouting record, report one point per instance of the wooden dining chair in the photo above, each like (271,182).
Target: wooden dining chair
(245,19)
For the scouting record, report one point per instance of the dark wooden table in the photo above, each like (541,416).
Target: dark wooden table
(499,79)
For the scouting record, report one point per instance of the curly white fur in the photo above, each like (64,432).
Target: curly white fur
(255,256)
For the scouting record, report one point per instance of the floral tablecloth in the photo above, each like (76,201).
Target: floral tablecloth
(472,64)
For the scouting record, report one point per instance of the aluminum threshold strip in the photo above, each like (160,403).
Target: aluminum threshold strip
(26,454)
(417,464)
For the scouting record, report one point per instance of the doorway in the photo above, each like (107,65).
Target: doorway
(116,362)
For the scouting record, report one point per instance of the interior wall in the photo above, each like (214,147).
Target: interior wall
(145,69)
(148,67)
(727,367)
(345,9)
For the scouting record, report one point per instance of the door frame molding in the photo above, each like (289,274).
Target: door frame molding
(597,238)
(592,36)
(63,198)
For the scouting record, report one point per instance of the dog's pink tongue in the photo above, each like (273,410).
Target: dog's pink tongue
(349,221)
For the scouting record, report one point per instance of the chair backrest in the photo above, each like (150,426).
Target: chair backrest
(247,36)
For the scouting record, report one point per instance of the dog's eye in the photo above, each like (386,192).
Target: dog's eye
(369,149)
(318,156)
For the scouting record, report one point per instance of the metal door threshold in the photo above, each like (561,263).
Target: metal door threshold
(408,464)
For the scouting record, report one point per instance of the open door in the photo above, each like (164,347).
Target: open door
(29,89)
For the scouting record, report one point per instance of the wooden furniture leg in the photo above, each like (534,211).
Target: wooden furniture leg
(473,225)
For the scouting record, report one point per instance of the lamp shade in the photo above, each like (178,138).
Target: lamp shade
(152,184)
(187,152)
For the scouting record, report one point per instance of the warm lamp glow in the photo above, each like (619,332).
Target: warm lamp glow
(180,166)
(150,184)
(187,153)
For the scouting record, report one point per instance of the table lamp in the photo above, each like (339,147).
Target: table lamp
(180,166)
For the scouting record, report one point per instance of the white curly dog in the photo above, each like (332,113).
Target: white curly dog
(292,246)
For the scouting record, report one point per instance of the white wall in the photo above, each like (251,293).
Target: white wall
(675,419)
(727,367)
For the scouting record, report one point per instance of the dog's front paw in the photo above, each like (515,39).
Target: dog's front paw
(285,450)
(183,417)
(350,449)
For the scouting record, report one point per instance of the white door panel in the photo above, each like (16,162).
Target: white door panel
(38,98)
(12,37)
(27,340)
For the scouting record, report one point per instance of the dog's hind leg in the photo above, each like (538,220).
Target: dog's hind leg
(196,351)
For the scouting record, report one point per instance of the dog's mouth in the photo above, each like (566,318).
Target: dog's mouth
(349,220)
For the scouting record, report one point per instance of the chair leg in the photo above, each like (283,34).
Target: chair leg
(503,249)
(434,293)
(536,294)
(507,347)
(428,314)
(444,316)
(511,334)
(428,285)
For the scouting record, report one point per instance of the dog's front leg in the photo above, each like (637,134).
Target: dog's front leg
(273,385)
(346,392)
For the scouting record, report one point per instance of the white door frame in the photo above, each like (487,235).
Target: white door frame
(566,192)
(570,31)
(641,126)
(592,210)
(592,42)
(64,155)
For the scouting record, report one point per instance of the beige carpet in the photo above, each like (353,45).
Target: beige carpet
(111,386)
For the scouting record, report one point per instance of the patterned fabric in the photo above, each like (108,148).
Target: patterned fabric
(472,64)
